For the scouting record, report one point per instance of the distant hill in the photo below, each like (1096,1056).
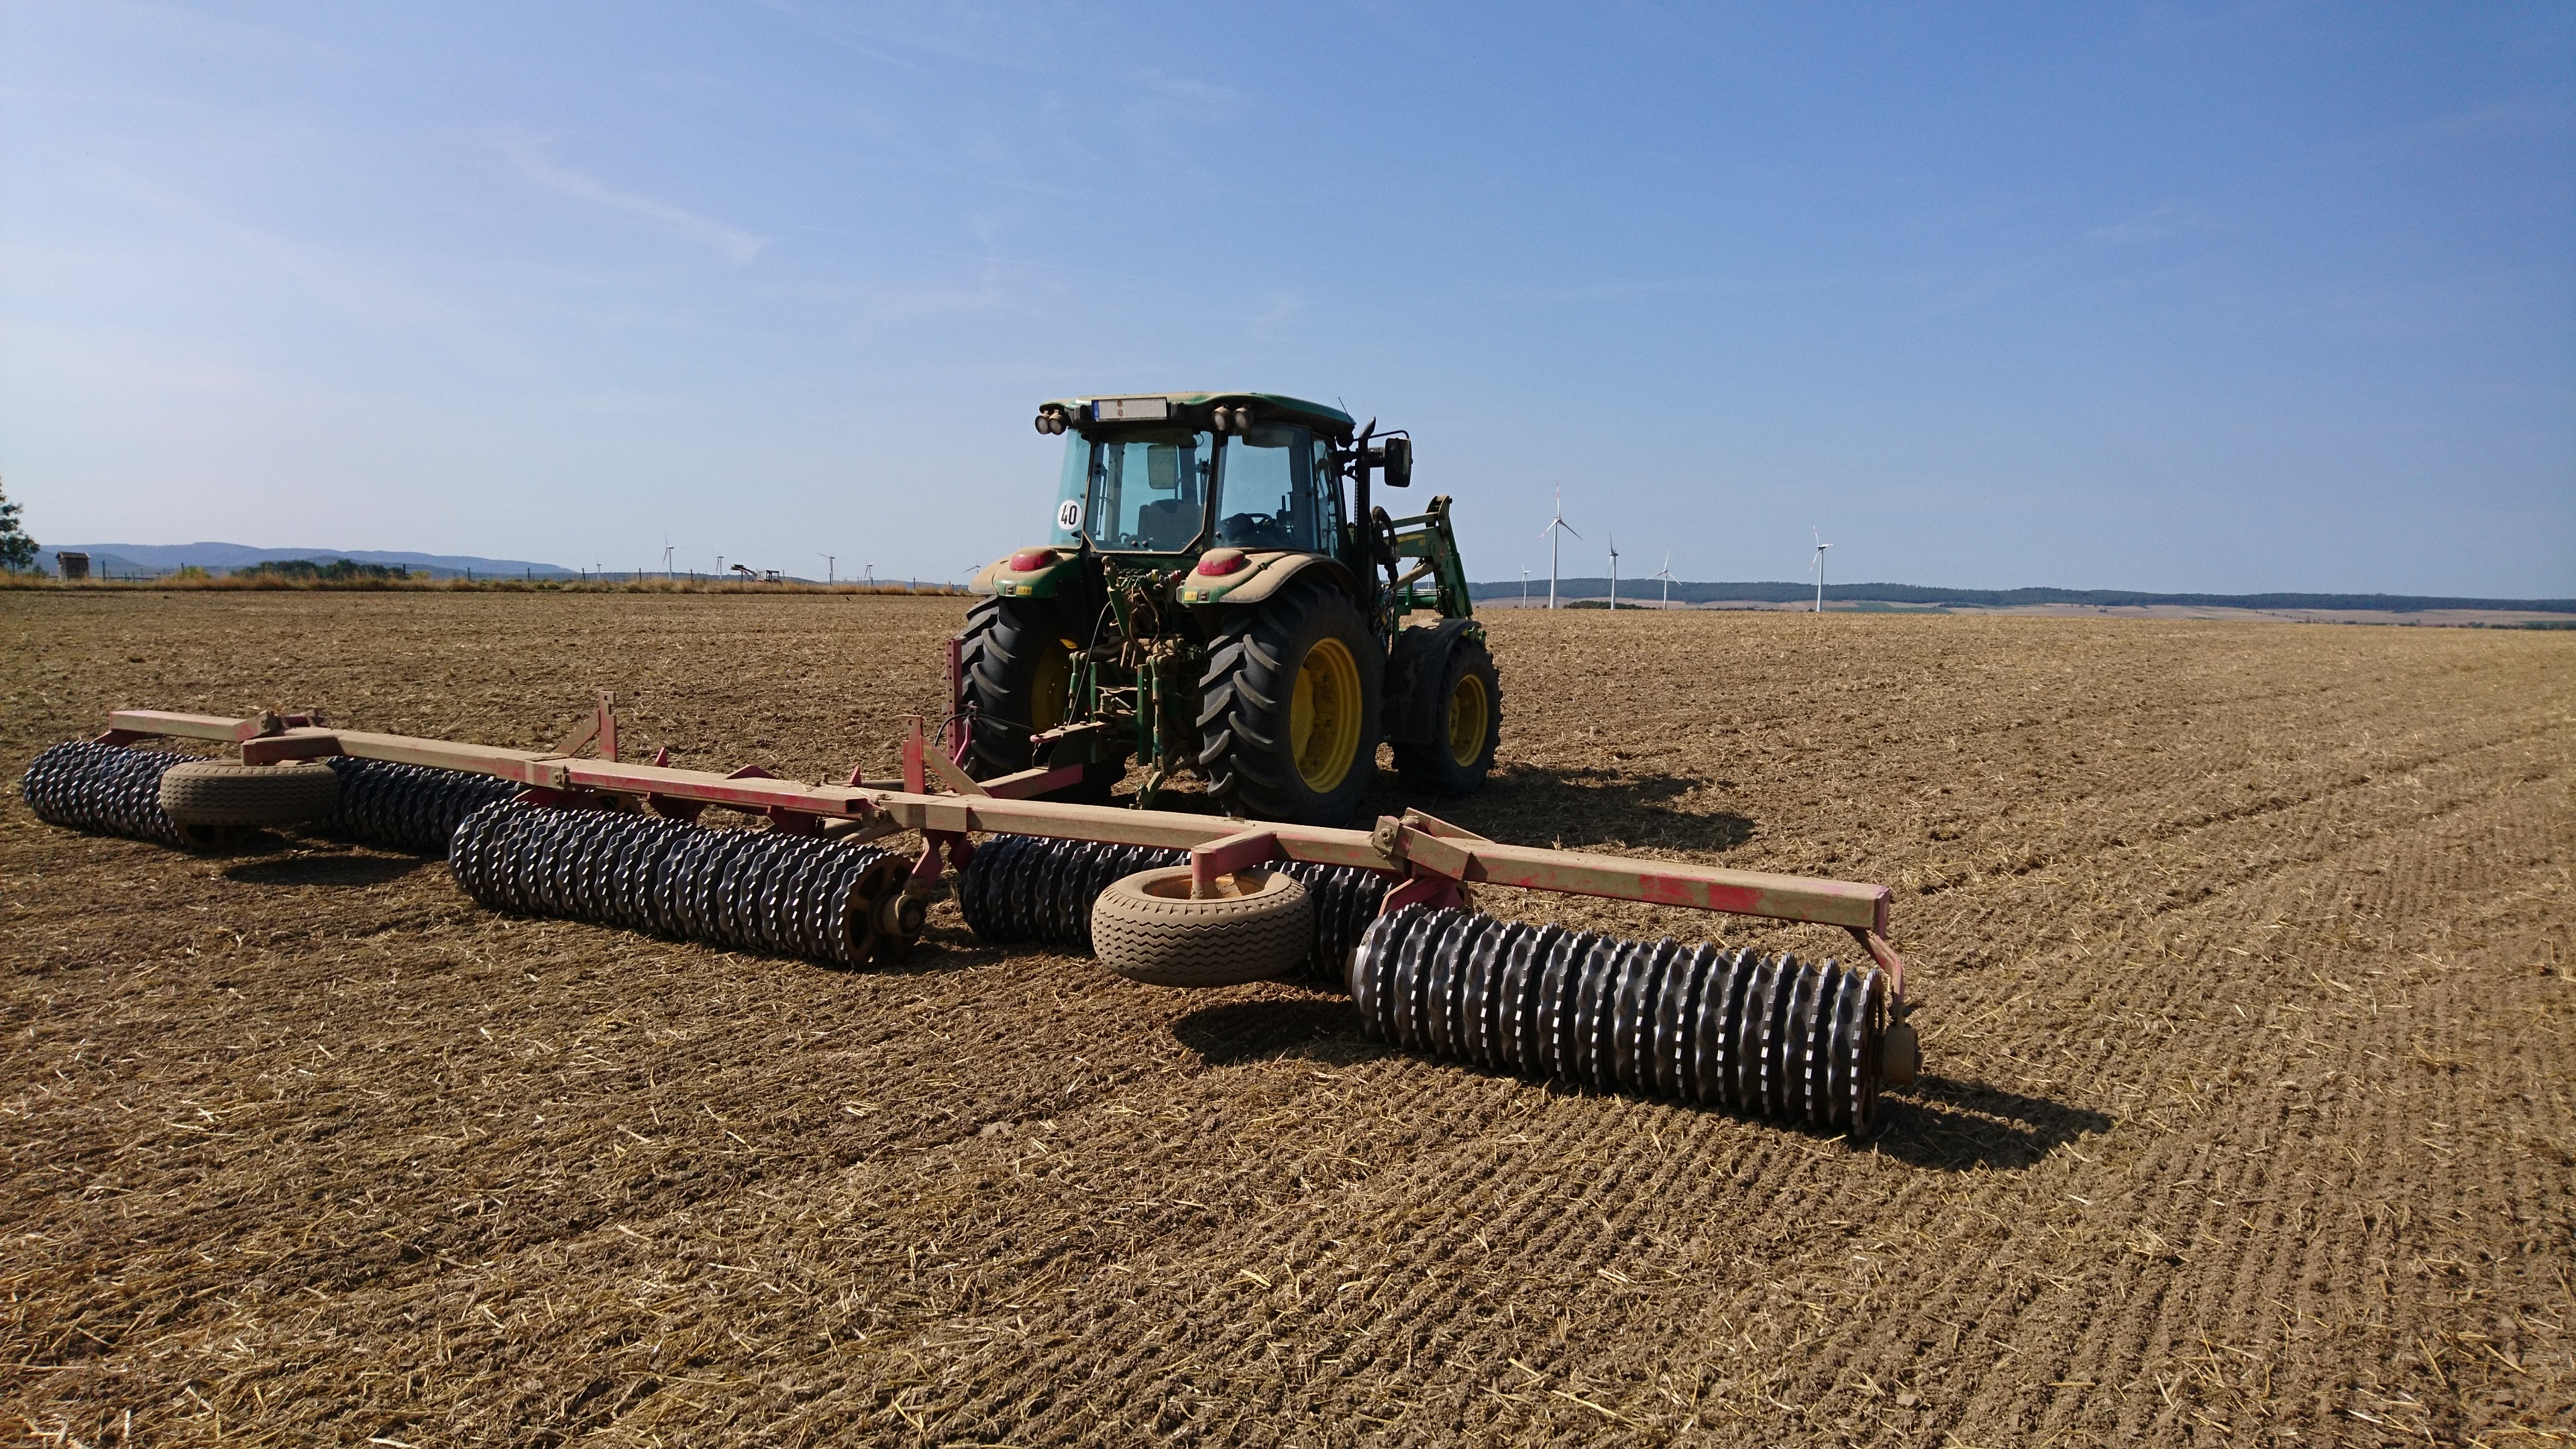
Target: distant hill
(1777,593)
(150,560)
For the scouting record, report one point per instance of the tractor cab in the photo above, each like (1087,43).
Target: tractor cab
(1188,473)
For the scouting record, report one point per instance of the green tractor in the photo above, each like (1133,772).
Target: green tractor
(1216,604)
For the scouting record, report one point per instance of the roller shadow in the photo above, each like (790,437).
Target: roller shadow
(1956,1126)
(1322,1028)
(1532,804)
(939,950)
(271,868)
(1938,1123)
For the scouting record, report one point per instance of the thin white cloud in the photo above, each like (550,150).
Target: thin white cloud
(2521,116)
(736,244)
(357,287)
(2158,224)
(1283,307)
(1183,88)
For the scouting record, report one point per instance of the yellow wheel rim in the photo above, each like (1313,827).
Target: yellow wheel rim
(1324,717)
(1467,715)
(1047,688)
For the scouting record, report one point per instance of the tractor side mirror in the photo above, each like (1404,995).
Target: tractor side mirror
(1397,459)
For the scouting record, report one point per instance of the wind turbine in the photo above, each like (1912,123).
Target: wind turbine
(828,561)
(1666,574)
(1525,586)
(1614,572)
(1549,533)
(666,556)
(1816,566)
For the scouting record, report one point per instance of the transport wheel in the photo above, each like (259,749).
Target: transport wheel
(1019,666)
(1288,715)
(218,793)
(1470,720)
(1147,928)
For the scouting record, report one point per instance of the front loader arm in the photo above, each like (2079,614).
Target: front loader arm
(1429,540)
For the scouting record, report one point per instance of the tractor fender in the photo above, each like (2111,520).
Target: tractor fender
(1031,573)
(1413,673)
(1266,574)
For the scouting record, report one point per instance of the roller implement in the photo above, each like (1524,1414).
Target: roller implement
(1161,896)
(1220,601)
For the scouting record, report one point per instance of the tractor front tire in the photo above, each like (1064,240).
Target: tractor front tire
(1147,927)
(1467,722)
(1288,711)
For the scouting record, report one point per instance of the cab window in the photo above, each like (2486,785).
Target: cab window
(1269,496)
(1138,491)
(1328,489)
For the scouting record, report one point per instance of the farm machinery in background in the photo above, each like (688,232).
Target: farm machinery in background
(1215,603)
(1208,608)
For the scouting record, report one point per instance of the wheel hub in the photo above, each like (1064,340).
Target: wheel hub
(1324,717)
(1467,715)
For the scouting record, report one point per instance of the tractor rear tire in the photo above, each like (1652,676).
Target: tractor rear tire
(1147,928)
(1017,667)
(1288,712)
(1467,722)
(221,793)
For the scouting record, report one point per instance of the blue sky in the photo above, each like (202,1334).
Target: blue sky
(2241,297)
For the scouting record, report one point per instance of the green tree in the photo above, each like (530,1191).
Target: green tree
(17,550)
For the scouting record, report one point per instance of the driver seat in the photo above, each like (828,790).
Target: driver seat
(1164,527)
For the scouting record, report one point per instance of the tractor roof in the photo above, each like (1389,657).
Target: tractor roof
(1330,420)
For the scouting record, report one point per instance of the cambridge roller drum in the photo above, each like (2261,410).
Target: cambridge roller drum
(1768,1036)
(745,890)
(106,788)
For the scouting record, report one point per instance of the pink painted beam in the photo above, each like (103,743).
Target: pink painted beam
(1212,858)
(1663,883)
(1417,846)
(146,723)
(1034,782)
(293,745)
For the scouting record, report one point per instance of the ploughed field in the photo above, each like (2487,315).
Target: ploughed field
(2242,953)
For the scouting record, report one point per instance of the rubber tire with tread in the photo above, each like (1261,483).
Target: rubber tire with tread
(220,792)
(1005,639)
(1250,685)
(1172,940)
(1432,766)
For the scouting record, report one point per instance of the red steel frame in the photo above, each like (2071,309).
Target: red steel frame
(1430,858)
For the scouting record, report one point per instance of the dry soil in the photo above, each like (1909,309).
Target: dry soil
(2243,951)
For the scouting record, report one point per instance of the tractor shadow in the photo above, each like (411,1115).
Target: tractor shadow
(1939,1124)
(1535,805)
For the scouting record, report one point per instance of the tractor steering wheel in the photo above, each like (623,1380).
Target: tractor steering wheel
(1253,530)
